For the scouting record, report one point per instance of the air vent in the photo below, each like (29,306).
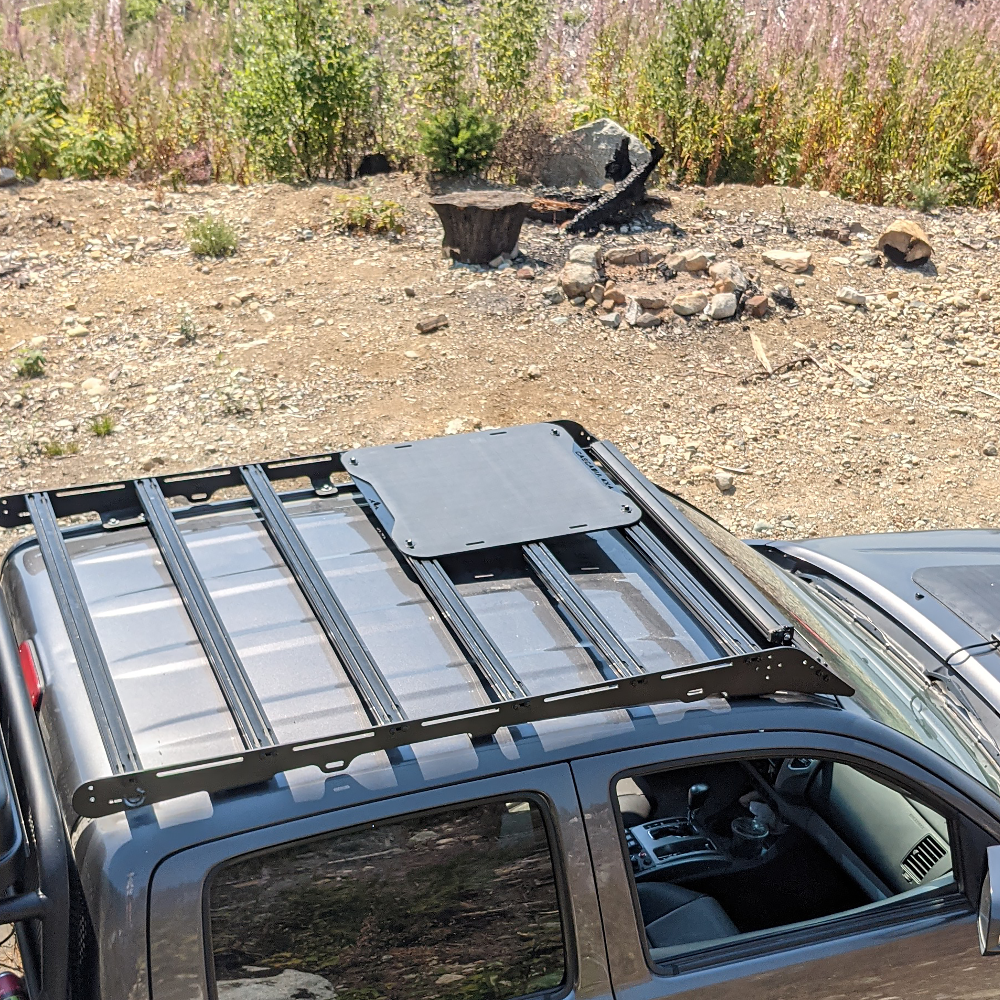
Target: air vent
(922,859)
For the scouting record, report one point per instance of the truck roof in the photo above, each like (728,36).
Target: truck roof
(209,632)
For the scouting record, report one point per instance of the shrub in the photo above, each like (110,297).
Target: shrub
(30,364)
(211,236)
(56,449)
(926,194)
(306,94)
(368,214)
(459,140)
(88,152)
(102,425)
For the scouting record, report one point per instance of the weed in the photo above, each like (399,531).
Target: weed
(30,364)
(102,425)
(368,214)
(925,195)
(212,236)
(574,18)
(186,328)
(57,449)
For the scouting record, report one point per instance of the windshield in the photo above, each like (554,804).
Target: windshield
(886,688)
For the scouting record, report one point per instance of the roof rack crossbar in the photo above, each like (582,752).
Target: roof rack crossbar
(490,663)
(97,679)
(371,686)
(768,671)
(674,575)
(581,610)
(777,630)
(248,713)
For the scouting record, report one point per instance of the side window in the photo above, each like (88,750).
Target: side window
(459,903)
(739,848)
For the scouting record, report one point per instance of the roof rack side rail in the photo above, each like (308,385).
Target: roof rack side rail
(49,901)
(371,686)
(730,635)
(490,663)
(248,713)
(97,680)
(777,630)
(581,611)
(767,671)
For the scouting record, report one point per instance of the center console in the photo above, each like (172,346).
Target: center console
(664,842)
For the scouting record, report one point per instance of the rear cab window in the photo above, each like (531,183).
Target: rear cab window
(456,903)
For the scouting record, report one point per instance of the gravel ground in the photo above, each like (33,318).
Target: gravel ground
(882,417)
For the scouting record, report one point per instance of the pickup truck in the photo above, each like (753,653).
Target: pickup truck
(485,717)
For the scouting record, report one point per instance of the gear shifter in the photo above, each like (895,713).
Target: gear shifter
(697,794)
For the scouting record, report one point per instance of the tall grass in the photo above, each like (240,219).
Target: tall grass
(879,100)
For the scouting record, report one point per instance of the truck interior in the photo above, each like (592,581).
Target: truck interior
(742,847)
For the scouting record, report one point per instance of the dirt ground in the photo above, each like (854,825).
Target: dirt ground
(878,418)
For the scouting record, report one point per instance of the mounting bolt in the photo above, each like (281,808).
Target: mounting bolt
(353,460)
(626,508)
(555,432)
(111,522)
(409,543)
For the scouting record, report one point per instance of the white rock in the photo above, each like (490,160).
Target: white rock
(611,319)
(721,306)
(690,260)
(851,296)
(794,261)
(587,253)
(577,279)
(93,387)
(725,481)
(689,303)
(291,983)
(553,294)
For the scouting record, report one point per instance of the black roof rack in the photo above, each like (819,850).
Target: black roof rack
(445,496)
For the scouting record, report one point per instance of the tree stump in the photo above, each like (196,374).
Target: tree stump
(479,226)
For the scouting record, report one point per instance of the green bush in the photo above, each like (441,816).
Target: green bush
(30,364)
(89,153)
(31,113)
(368,214)
(306,94)
(212,236)
(459,140)
(102,425)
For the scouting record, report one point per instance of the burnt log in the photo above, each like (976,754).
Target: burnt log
(480,226)
(620,202)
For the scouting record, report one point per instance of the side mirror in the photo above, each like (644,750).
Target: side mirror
(989,905)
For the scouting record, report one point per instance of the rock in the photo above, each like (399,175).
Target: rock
(630,256)
(757,305)
(728,276)
(985,294)
(577,279)
(553,294)
(587,253)
(235,301)
(525,274)
(611,319)
(689,303)
(762,526)
(648,298)
(904,242)
(409,292)
(851,296)
(721,306)
(725,481)
(498,262)
(16,401)
(7,177)
(782,296)
(582,156)
(534,371)
(637,317)
(431,323)
(455,426)
(689,260)
(989,448)
(77,331)
(290,983)
(93,387)
(794,261)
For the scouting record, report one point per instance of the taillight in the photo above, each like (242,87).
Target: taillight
(29,671)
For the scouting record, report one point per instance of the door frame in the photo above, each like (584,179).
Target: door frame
(178,912)
(910,764)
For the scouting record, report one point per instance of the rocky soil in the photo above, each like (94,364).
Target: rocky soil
(878,416)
